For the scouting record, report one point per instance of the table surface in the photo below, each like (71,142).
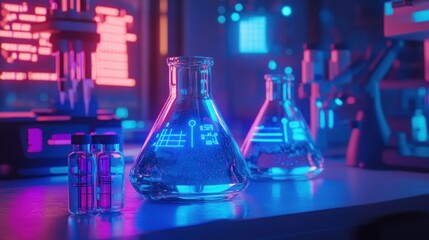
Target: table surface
(37,208)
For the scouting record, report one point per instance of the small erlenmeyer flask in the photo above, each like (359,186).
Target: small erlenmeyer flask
(279,144)
(189,153)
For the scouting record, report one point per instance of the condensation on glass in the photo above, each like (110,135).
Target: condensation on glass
(279,144)
(189,154)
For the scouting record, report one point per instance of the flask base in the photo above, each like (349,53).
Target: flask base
(290,173)
(162,192)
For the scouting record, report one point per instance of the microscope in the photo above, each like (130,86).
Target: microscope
(372,142)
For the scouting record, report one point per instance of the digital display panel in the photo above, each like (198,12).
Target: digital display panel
(27,66)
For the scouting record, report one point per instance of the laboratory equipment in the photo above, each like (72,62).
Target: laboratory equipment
(391,149)
(279,144)
(81,176)
(190,153)
(110,175)
(313,70)
(96,145)
(74,38)
(39,139)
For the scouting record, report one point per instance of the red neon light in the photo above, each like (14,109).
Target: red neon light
(24,56)
(106,11)
(13,76)
(21,27)
(42,76)
(23,35)
(40,11)
(45,51)
(131,37)
(128,19)
(116,82)
(110,62)
(15,7)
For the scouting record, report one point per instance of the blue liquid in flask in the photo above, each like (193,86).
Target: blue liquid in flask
(189,154)
(279,144)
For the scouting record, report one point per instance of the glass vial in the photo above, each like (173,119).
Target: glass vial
(110,175)
(96,145)
(189,153)
(279,144)
(81,176)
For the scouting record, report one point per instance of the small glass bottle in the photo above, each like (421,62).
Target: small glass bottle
(279,144)
(81,176)
(110,175)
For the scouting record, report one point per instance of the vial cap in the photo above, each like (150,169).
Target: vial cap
(81,139)
(96,139)
(109,139)
(311,46)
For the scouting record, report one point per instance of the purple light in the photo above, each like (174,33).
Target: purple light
(35,140)
(60,139)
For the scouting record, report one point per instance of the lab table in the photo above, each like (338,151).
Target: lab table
(333,205)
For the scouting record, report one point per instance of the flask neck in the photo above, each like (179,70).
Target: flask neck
(279,90)
(111,147)
(80,147)
(190,77)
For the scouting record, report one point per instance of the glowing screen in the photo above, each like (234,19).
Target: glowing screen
(22,50)
(253,35)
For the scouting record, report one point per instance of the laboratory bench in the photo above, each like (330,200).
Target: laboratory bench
(336,205)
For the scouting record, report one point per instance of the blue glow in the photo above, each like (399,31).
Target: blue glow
(221,9)
(272,65)
(238,7)
(274,119)
(140,124)
(169,138)
(298,137)
(319,104)
(338,101)
(44,97)
(252,35)
(331,118)
(122,112)
(288,70)
(322,120)
(206,189)
(235,17)
(421,16)
(278,171)
(267,134)
(285,135)
(388,9)
(129,124)
(286,11)
(10,97)
(294,124)
(208,135)
(266,140)
(58,170)
(192,123)
(302,170)
(221,19)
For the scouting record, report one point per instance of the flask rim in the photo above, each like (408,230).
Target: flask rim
(279,77)
(190,61)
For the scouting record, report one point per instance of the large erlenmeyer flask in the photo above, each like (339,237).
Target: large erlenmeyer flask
(189,153)
(279,144)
